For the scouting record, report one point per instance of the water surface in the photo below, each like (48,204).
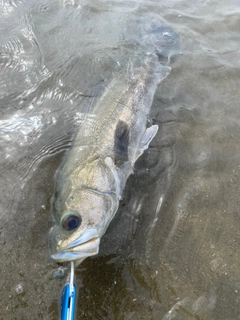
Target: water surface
(172,251)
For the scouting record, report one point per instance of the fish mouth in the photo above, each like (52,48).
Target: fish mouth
(84,246)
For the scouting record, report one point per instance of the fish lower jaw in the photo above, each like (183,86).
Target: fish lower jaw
(79,252)
(72,256)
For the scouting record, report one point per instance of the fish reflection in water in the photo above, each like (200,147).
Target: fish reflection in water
(93,174)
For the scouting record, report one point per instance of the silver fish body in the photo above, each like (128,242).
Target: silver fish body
(92,177)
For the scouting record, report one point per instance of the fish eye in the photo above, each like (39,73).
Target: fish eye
(71,220)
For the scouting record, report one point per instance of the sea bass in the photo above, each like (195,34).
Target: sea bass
(94,172)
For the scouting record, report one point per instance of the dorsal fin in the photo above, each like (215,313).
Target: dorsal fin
(121,143)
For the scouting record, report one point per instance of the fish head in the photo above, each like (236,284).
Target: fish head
(79,226)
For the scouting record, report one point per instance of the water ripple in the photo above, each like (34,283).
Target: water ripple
(55,146)
(8,6)
(18,125)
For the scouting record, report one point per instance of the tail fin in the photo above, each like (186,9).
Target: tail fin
(157,37)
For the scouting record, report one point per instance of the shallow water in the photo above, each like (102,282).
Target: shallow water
(172,251)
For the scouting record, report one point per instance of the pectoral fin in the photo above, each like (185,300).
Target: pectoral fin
(112,167)
(147,137)
(121,143)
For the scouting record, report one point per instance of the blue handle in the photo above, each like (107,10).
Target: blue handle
(68,302)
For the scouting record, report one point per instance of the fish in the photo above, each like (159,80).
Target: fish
(92,177)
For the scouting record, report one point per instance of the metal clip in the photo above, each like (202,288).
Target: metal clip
(68,297)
